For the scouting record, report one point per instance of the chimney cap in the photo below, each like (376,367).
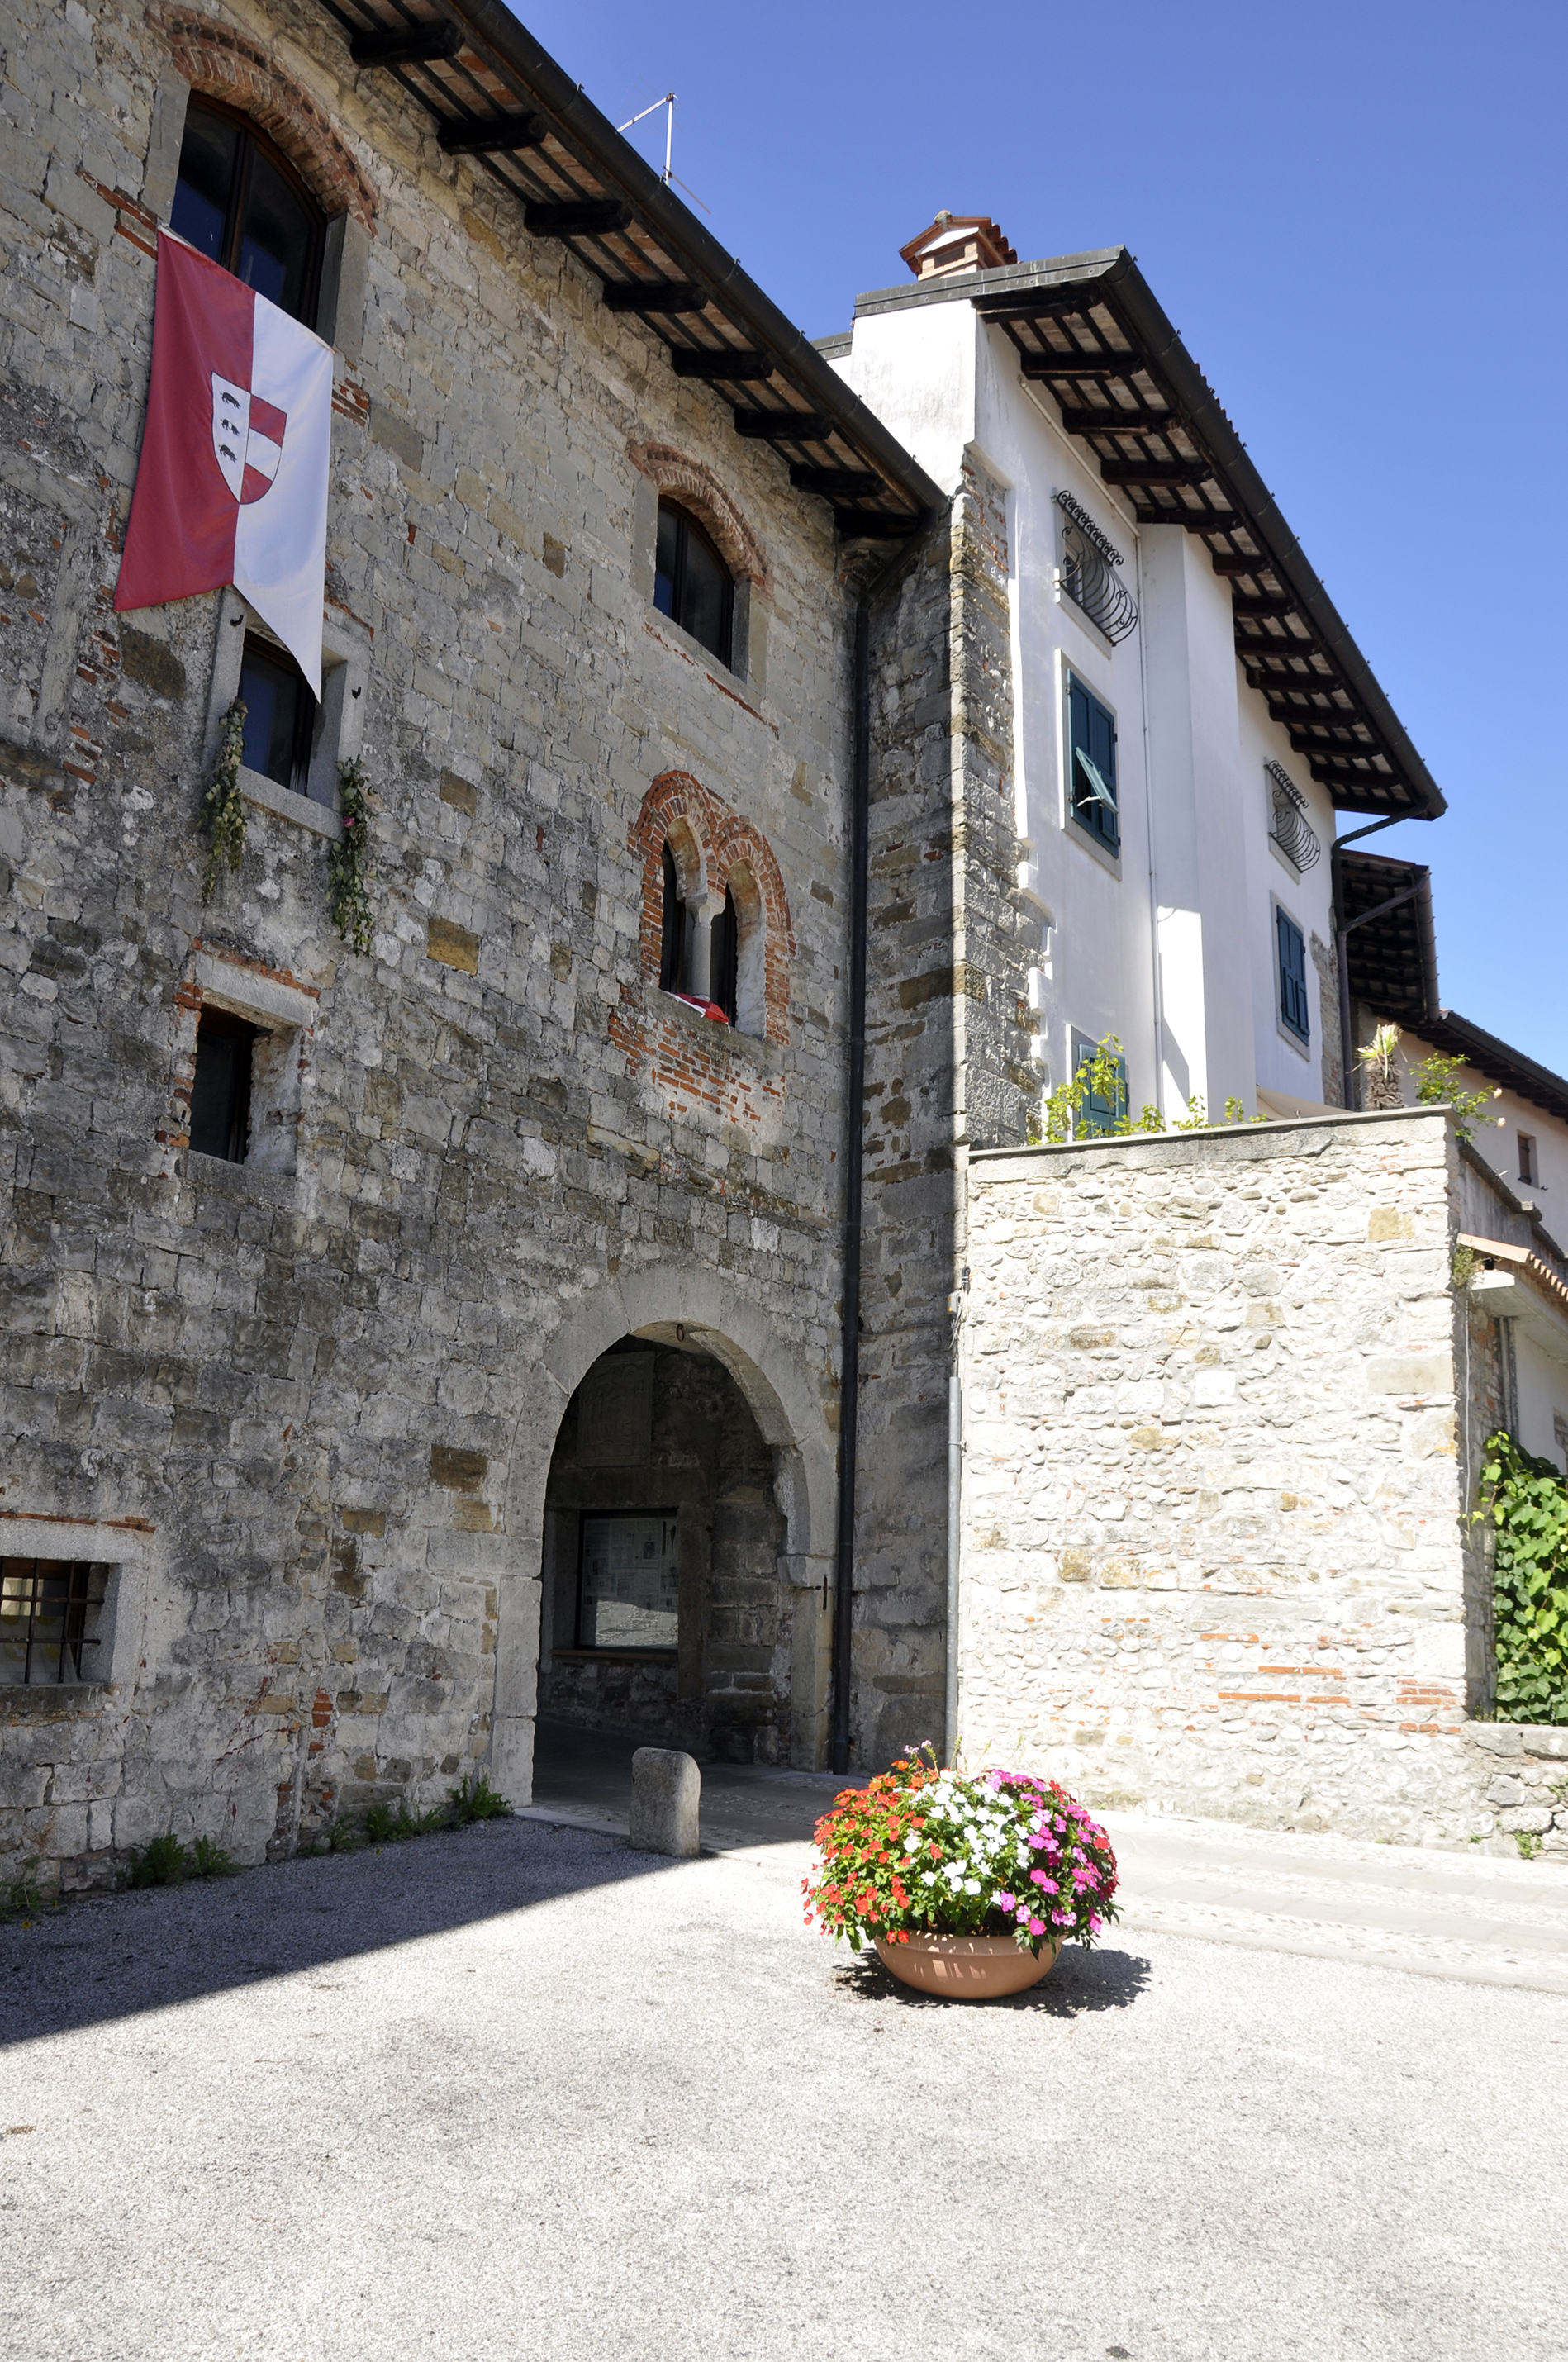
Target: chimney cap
(954,243)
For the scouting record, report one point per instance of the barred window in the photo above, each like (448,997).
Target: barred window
(50,1611)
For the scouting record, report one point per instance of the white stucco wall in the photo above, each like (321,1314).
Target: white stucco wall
(1172,947)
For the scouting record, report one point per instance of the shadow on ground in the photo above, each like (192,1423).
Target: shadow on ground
(1080,1982)
(113,1955)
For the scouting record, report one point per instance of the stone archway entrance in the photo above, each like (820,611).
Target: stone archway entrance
(670,1506)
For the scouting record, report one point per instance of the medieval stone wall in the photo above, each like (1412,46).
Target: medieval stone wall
(325,1399)
(1216,1558)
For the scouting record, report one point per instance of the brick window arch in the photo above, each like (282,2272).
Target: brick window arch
(715,849)
(223,64)
(693,486)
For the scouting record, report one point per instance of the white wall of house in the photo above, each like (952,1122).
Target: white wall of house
(1172,945)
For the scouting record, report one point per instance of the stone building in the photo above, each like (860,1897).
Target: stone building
(552,1307)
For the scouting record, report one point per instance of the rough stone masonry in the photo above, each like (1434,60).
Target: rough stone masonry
(301,1409)
(1224,1399)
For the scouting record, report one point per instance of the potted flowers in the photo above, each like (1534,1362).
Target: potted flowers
(968,1884)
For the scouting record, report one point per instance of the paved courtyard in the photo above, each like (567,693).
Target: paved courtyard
(520,2092)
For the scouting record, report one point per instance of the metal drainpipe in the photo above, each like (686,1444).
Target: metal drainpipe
(855,1109)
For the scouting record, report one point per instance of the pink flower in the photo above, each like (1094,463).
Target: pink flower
(1037,1927)
(1037,1877)
(1062,1918)
(1007,1902)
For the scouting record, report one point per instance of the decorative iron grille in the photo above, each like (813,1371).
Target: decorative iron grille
(1289,827)
(48,1614)
(1087,573)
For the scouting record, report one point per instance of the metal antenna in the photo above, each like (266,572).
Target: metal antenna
(669,173)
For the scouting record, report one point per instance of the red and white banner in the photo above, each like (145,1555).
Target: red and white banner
(231,486)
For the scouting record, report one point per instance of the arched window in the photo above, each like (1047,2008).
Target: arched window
(691,582)
(672,942)
(239,202)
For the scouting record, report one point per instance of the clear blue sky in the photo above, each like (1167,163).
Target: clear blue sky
(1344,209)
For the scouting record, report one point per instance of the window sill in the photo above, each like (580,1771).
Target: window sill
(755,1047)
(1091,844)
(283,804)
(614,1656)
(50,1697)
(739,685)
(256,1182)
(1302,1049)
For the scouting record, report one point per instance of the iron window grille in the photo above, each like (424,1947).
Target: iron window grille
(1294,1010)
(1289,824)
(241,203)
(1091,754)
(1087,573)
(48,1616)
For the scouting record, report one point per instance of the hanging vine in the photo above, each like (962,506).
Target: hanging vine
(223,807)
(348,869)
(1526,1500)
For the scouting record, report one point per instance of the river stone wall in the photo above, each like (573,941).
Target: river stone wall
(1217,1392)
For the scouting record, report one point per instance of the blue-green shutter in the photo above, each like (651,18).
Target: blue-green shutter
(1100,1114)
(1091,738)
(1293,1003)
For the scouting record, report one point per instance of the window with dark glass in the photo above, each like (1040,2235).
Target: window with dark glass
(279,715)
(721,976)
(672,941)
(1294,1010)
(1527,1157)
(239,202)
(691,582)
(1091,784)
(627,1591)
(49,1620)
(220,1093)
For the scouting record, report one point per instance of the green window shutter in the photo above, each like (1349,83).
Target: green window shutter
(1092,790)
(1293,1004)
(1101,1113)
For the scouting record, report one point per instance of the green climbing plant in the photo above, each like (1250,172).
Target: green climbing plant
(348,865)
(1102,1077)
(1436,1085)
(1525,1500)
(223,807)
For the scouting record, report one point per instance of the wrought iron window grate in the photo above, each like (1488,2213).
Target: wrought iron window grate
(1290,826)
(1088,573)
(48,1616)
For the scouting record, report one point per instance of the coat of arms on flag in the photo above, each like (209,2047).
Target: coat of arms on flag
(231,486)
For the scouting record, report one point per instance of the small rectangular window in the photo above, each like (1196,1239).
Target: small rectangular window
(1103,1109)
(220,1092)
(1091,757)
(50,1610)
(1294,1012)
(628,1595)
(279,715)
(1527,1157)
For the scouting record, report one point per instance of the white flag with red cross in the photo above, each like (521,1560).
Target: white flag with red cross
(231,486)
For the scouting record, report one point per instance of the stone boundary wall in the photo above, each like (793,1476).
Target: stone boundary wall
(1215,1560)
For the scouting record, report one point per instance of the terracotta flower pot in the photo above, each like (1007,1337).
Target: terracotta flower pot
(966,1967)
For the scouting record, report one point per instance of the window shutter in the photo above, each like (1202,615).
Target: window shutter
(1091,738)
(1293,1003)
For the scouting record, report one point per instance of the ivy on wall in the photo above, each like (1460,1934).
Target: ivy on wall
(223,808)
(1526,1501)
(348,869)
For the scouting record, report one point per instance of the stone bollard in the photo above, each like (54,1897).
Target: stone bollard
(667,1790)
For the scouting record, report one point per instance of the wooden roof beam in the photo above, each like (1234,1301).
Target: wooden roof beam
(1157,474)
(835,484)
(784,425)
(406,45)
(579,218)
(1112,421)
(497,135)
(654,297)
(1053,365)
(707,361)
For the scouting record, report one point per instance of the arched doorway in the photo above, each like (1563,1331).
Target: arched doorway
(661,1610)
(671,1512)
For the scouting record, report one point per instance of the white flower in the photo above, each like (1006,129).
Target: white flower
(971,1886)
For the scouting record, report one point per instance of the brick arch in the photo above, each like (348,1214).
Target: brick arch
(222,64)
(698,488)
(725,842)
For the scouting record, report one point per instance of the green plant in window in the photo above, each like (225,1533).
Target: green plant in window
(1526,1501)
(222,806)
(348,861)
(1435,1079)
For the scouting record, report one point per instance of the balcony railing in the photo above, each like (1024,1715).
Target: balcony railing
(1290,826)
(1087,573)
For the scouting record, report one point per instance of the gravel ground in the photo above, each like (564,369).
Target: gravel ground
(519,2092)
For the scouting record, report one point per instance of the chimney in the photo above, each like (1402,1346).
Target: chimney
(956,243)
